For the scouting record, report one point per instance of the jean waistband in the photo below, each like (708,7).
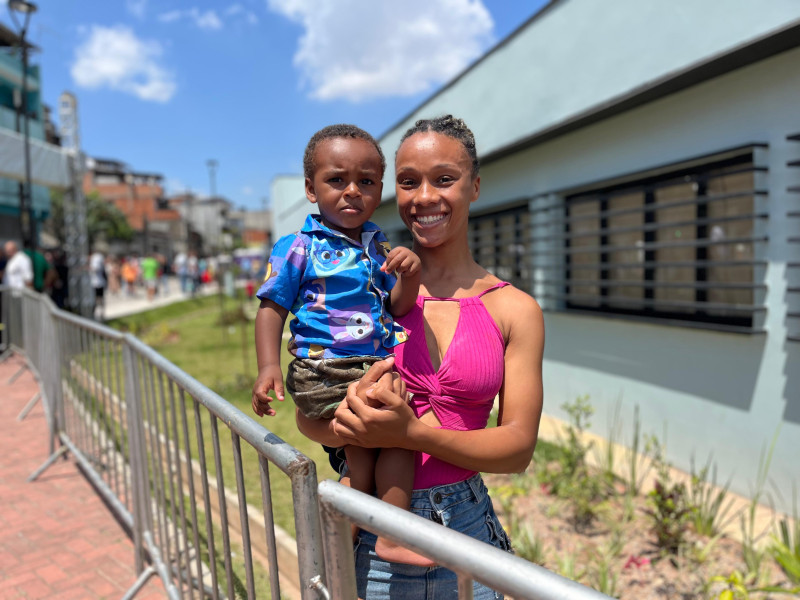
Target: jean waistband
(442,496)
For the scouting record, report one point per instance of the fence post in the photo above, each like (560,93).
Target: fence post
(310,557)
(340,563)
(137,455)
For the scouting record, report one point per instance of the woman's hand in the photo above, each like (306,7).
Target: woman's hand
(389,426)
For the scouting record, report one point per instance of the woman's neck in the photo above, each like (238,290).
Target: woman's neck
(447,269)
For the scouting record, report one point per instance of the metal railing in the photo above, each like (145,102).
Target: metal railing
(139,428)
(145,433)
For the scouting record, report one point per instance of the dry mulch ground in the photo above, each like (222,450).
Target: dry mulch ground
(615,555)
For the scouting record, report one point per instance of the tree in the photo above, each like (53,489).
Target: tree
(103,219)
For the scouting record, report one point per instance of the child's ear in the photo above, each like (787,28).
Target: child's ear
(311,194)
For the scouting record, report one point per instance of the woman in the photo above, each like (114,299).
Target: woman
(471,337)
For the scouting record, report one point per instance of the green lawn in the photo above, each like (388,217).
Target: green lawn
(222,357)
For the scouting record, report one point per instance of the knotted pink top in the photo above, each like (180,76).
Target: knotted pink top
(461,393)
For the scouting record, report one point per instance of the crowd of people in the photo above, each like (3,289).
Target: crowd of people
(46,271)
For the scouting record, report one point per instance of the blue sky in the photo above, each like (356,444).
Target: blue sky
(166,85)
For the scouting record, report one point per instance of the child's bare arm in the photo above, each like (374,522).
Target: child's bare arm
(407,266)
(269,329)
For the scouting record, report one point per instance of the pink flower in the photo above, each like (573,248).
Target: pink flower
(636,561)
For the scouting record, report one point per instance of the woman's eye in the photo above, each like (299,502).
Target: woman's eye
(405,182)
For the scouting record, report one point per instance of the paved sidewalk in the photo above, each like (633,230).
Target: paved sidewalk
(123,305)
(58,540)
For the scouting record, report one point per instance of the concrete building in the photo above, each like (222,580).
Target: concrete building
(640,178)
(209,222)
(140,197)
(11,119)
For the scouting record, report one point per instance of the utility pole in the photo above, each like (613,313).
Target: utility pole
(26,220)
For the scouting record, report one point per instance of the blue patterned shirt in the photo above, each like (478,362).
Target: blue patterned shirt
(336,290)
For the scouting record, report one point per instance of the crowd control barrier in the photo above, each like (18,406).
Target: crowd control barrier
(168,455)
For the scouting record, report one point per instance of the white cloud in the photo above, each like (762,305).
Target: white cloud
(362,49)
(203,20)
(237,9)
(137,8)
(115,58)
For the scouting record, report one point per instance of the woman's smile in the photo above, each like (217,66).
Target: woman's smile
(429,220)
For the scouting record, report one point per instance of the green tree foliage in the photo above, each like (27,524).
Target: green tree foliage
(103,219)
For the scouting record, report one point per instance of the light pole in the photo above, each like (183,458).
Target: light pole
(25,201)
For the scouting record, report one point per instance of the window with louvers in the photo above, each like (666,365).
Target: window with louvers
(682,245)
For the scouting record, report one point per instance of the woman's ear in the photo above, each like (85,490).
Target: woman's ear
(477,188)
(311,194)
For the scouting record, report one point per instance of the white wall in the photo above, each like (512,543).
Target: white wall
(581,54)
(289,204)
(719,393)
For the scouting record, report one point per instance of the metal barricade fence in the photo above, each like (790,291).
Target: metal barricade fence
(139,428)
(145,433)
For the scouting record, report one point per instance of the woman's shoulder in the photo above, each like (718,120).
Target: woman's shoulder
(513,309)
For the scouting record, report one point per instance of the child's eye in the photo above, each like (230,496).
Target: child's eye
(367,181)
(334,179)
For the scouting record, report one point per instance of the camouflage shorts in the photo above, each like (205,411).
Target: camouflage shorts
(319,385)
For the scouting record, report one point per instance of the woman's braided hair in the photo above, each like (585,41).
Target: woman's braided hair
(451,127)
(341,130)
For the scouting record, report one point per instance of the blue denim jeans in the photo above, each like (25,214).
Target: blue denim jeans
(464,507)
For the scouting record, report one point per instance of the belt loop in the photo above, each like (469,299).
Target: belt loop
(475,485)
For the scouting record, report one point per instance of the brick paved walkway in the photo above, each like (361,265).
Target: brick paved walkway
(58,540)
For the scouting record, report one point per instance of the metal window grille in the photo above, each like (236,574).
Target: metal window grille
(793,264)
(683,245)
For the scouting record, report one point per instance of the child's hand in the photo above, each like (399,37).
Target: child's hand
(402,260)
(269,378)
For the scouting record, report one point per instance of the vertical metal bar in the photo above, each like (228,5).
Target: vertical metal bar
(122,399)
(223,505)
(245,523)
(155,453)
(82,394)
(311,561)
(96,421)
(212,555)
(182,555)
(107,437)
(136,454)
(338,542)
(116,424)
(269,527)
(169,450)
(192,495)
(464,587)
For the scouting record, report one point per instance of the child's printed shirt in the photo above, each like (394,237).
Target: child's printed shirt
(336,290)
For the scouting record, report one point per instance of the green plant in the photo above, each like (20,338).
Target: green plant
(566,567)
(752,554)
(526,544)
(785,547)
(739,587)
(603,578)
(638,465)
(708,501)
(668,509)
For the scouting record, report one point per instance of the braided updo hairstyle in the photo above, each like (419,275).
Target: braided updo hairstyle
(336,131)
(451,127)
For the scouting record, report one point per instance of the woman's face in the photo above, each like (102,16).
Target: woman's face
(434,186)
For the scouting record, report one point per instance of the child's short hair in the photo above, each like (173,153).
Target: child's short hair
(341,130)
(451,127)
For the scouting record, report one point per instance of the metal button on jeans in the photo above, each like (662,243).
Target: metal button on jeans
(437,497)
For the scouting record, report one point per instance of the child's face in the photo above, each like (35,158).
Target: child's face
(347,183)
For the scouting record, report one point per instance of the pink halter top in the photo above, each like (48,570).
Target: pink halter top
(462,391)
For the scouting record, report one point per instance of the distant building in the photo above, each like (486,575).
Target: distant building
(640,177)
(140,197)
(254,227)
(11,118)
(212,231)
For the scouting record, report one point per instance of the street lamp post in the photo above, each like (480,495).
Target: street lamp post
(26,201)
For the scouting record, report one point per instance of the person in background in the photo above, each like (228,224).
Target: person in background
(128,272)
(192,273)
(113,272)
(150,275)
(99,282)
(19,268)
(59,290)
(41,269)
(179,266)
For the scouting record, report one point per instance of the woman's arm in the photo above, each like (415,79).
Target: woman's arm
(507,448)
